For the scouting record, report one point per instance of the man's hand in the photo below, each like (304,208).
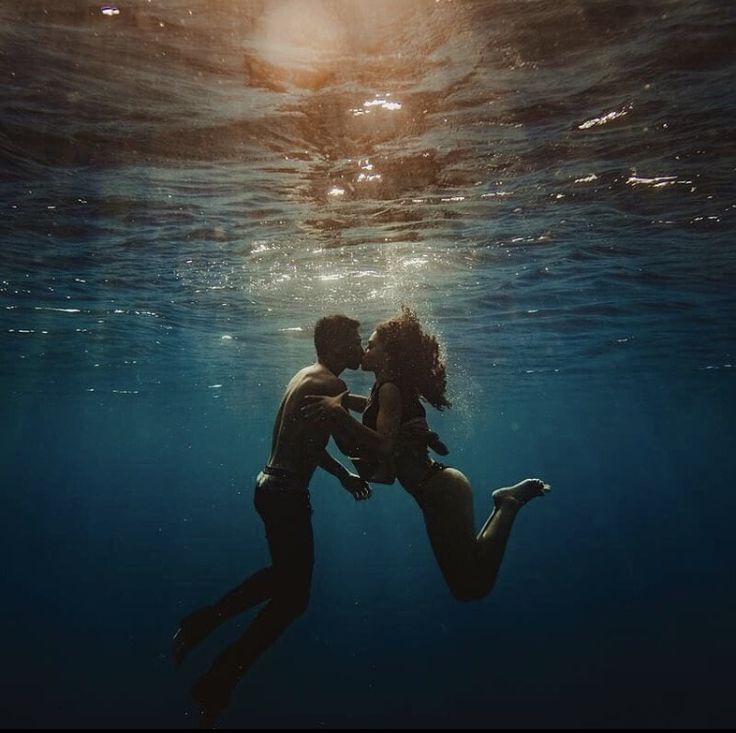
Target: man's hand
(356,486)
(322,407)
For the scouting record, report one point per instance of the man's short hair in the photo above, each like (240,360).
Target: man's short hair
(330,331)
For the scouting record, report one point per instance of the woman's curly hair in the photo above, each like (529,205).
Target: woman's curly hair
(415,356)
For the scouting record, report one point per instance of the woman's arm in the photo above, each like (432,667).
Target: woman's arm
(388,420)
(382,440)
(348,432)
(354,402)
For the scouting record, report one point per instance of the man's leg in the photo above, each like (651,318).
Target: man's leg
(287,516)
(198,625)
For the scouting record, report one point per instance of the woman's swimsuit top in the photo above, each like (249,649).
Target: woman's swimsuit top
(414,433)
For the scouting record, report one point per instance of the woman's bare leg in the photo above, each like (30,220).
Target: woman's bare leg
(470,563)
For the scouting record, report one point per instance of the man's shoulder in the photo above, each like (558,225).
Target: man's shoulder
(318,380)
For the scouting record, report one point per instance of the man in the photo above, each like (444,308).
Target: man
(282,500)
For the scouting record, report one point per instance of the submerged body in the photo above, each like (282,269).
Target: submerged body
(393,440)
(282,500)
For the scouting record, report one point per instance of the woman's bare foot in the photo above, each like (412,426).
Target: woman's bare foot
(521,493)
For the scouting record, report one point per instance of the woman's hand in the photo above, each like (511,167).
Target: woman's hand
(322,407)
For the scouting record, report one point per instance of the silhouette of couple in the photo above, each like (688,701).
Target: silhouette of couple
(391,442)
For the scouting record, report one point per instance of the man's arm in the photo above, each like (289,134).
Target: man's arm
(329,464)
(350,482)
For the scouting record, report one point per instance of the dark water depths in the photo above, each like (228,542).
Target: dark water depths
(186,186)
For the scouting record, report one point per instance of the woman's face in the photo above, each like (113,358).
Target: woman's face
(375,357)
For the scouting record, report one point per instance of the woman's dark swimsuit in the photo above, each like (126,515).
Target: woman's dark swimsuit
(429,474)
(414,436)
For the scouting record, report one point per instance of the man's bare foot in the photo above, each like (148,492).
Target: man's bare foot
(521,493)
(213,696)
(192,629)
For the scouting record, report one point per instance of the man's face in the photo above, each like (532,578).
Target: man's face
(353,351)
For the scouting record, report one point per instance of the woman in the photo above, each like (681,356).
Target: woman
(393,440)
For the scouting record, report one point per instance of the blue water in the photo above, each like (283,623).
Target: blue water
(187,186)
